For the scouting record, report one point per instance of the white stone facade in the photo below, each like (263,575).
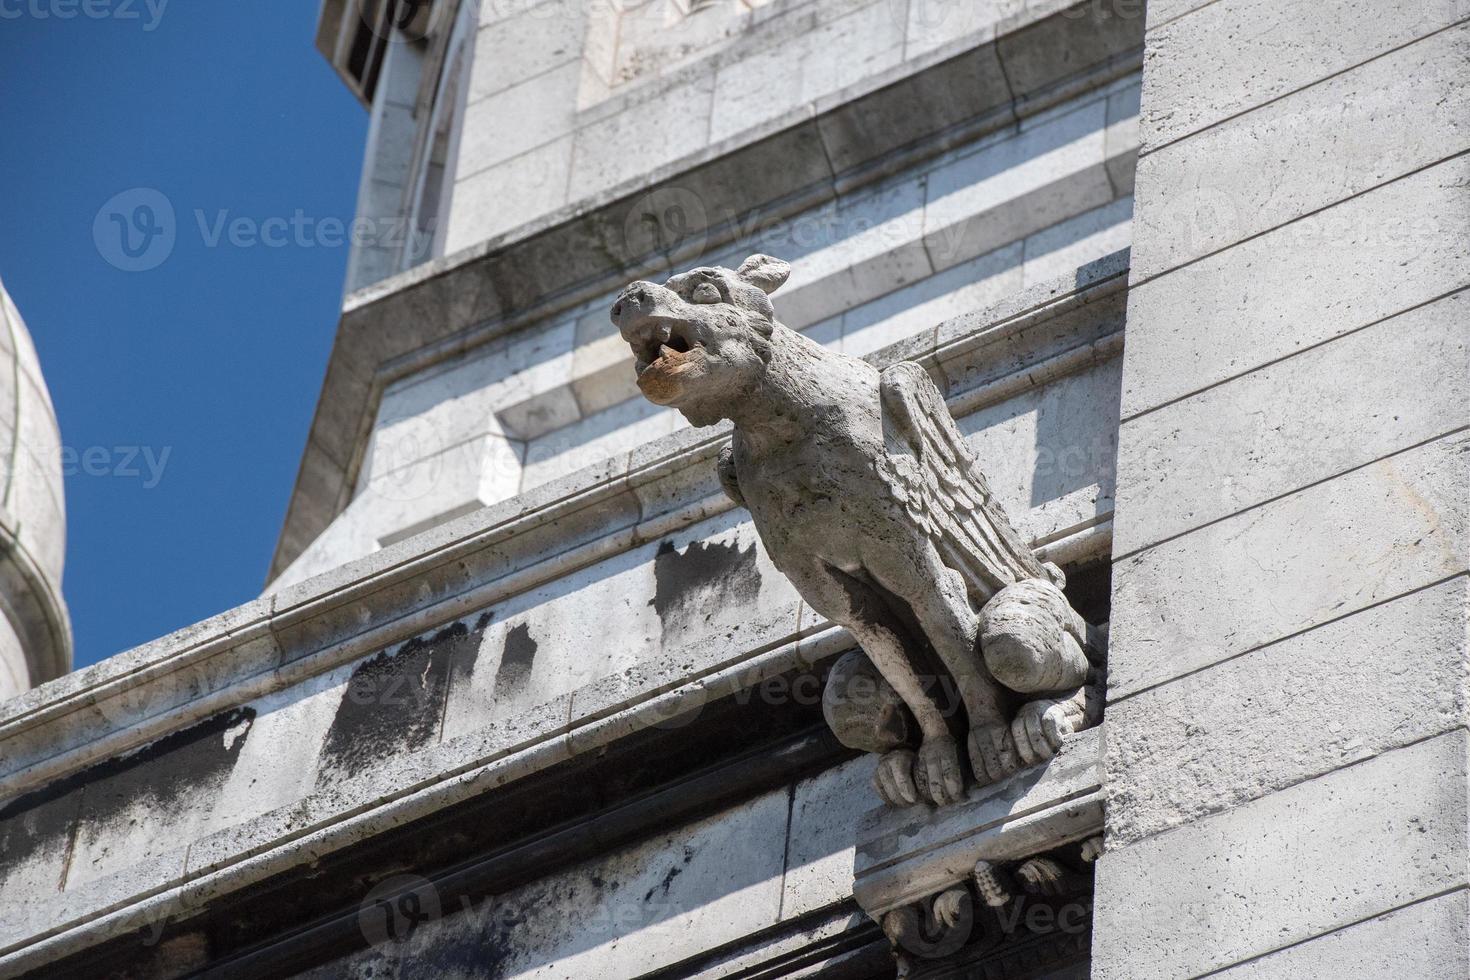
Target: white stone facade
(526,696)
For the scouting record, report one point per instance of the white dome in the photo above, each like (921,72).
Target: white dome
(35,633)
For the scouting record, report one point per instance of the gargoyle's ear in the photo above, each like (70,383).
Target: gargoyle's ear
(765,273)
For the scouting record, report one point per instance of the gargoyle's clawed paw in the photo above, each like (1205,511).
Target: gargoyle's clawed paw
(949,908)
(992,754)
(1039,729)
(937,771)
(1041,876)
(895,778)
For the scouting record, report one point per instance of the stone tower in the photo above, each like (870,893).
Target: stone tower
(35,632)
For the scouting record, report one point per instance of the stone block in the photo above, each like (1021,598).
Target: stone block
(754,90)
(627,424)
(1374,681)
(1192,80)
(967,87)
(1428,940)
(1366,259)
(502,126)
(1317,146)
(526,44)
(1121,141)
(1048,452)
(642,138)
(636,910)
(141,806)
(1294,423)
(957,290)
(847,50)
(36,831)
(535,648)
(1160,12)
(825,814)
(1082,36)
(1369,535)
(485,206)
(1302,862)
(1009,188)
(1068,245)
(936,24)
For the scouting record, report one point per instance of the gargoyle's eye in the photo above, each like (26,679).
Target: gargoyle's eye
(706,292)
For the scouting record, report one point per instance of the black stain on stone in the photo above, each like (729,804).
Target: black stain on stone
(164,776)
(693,584)
(516,660)
(669,876)
(394,701)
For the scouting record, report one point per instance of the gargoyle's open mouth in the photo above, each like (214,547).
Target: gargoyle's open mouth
(667,340)
(667,362)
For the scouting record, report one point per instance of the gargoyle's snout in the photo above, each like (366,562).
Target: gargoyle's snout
(641,305)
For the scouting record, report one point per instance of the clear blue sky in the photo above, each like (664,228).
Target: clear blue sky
(216,355)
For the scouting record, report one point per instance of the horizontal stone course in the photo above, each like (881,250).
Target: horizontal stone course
(1429,940)
(1359,686)
(1316,857)
(1369,535)
(1322,144)
(1295,422)
(1193,79)
(1383,252)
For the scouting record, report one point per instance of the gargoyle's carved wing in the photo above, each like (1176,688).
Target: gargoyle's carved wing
(934,474)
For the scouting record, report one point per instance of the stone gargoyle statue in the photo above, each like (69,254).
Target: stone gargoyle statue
(867,497)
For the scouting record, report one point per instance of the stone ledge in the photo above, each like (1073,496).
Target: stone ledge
(905,855)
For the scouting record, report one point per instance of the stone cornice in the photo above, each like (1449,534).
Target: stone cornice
(1034,60)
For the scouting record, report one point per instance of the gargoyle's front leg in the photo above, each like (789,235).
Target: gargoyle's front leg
(936,768)
(938,598)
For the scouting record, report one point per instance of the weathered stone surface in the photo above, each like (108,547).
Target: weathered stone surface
(826,811)
(1316,857)
(1194,80)
(1368,258)
(525,44)
(1350,401)
(904,855)
(637,909)
(1379,679)
(520,118)
(1319,145)
(988,198)
(1428,940)
(1369,535)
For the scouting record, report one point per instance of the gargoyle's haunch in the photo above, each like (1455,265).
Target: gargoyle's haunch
(867,497)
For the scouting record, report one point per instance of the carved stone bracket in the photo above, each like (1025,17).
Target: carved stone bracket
(942,881)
